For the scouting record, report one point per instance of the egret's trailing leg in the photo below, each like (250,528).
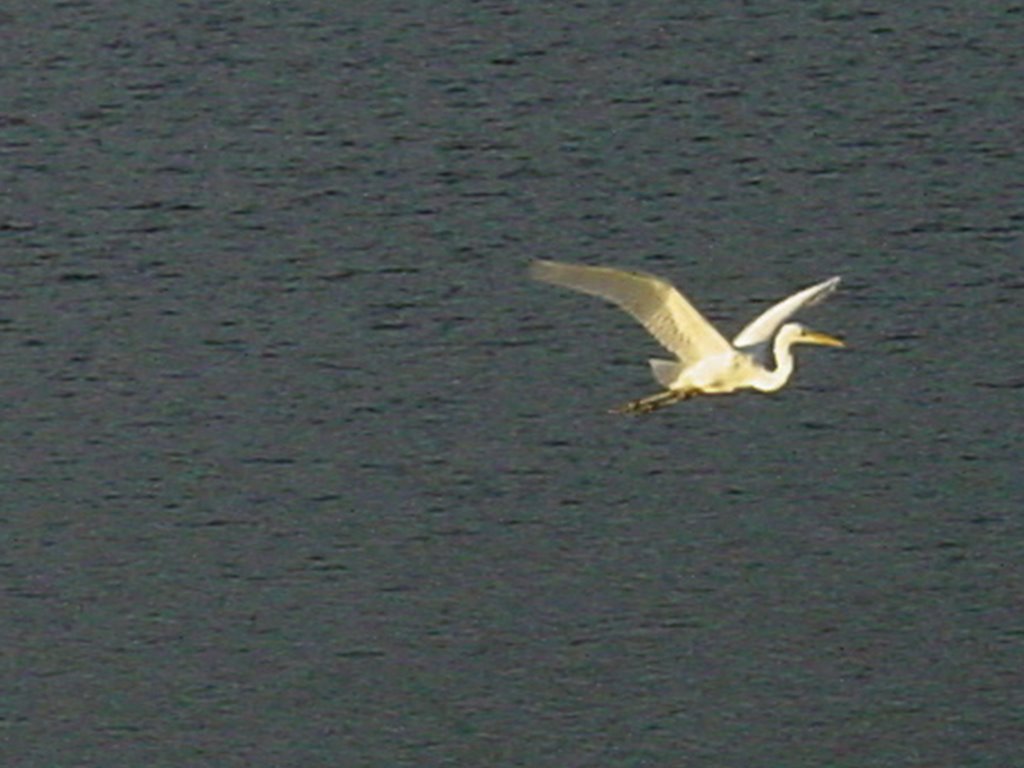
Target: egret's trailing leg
(653,402)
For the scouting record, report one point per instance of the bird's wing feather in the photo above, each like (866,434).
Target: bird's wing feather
(662,309)
(764,326)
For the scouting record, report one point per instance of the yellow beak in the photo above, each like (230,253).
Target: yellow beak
(814,337)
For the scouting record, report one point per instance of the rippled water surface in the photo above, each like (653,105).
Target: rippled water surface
(300,469)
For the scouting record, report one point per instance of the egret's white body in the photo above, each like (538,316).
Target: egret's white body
(705,362)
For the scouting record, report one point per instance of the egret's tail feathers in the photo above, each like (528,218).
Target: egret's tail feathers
(666,371)
(654,402)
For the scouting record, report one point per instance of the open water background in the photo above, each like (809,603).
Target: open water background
(299,469)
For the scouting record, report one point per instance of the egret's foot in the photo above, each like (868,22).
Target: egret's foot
(652,403)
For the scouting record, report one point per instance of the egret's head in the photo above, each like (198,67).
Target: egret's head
(801,334)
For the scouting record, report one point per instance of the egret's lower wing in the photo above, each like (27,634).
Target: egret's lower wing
(662,309)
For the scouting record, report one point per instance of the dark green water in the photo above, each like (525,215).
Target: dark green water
(299,469)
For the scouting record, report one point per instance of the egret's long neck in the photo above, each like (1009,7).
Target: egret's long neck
(775,379)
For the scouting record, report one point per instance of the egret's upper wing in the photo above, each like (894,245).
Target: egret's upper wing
(662,309)
(763,327)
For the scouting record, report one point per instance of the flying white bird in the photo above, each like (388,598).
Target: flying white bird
(705,362)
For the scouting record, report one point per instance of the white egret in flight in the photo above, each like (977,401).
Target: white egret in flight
(705,362)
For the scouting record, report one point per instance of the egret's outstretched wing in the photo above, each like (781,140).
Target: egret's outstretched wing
(662,310)
(764,326)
